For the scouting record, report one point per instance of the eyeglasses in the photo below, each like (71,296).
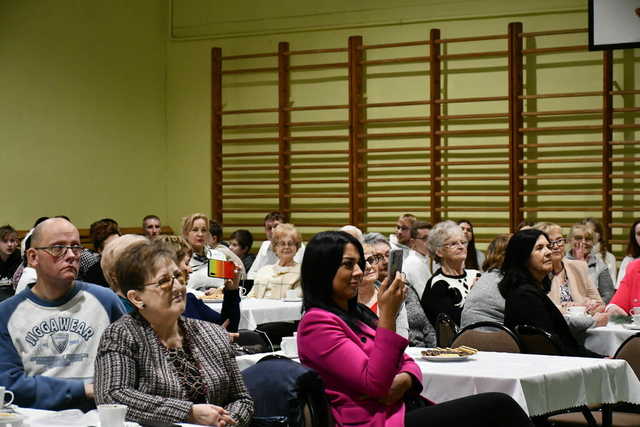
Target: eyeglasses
(285,244)
(374,259)
(462,243)
(557,242)
(166,281)
(57,251)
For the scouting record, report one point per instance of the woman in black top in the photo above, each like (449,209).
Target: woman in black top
(525,285)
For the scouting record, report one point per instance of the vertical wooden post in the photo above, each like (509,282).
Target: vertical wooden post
(435,187)
(516,153)
(607,137)
(216,134)
(284,145)
(356,133)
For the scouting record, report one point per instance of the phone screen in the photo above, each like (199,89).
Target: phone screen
(395,263)
(221,269)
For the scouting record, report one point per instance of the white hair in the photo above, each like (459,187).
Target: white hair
(439,234)
(354,231)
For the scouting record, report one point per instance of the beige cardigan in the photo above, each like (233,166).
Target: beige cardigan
(581,286)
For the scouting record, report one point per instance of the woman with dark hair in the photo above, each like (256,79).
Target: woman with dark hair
(633,250)
(9,259)
(475,258)
(525,284)
(361,359)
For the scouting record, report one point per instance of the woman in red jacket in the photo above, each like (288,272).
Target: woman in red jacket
(368,378)
(627,297)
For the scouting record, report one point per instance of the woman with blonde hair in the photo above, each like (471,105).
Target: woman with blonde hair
(581,243)
(273,281)
(195,230)
(229,317)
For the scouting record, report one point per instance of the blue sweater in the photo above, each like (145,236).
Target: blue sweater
(48,348)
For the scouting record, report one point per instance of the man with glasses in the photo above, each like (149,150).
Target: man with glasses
(418,266)
(49,332)
(402,237)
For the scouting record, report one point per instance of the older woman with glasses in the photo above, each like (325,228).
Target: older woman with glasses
(274,281)
(446,291)
(368,290)
(581,241)
(570,280)
(167,368)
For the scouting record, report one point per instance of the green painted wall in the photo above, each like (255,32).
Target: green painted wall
(82,110)
(199,25)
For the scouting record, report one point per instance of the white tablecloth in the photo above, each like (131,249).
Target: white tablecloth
(606,340)
(540,384)
(254,311)
(68,418)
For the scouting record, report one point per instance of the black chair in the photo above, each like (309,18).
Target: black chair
(488,336)
(286,393)
(538,341)
(275,331)
(253,341)
(445,330)
(620,415)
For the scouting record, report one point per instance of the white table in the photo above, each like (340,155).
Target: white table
(255,311)
(540,384)
(606,340)
(68,418)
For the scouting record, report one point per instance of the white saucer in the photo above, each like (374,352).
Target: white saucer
(292,299)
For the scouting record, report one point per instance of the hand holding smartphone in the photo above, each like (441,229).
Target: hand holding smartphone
(221,269)
(395,263)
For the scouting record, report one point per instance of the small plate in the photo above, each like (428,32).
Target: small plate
(292,299)
(10,417)
(632,326)
(446,358)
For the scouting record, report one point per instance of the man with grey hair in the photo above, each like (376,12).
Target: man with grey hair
(49,332)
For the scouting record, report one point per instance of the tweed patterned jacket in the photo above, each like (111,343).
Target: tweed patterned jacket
(132,369)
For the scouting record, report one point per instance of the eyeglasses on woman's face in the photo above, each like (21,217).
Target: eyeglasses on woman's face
(166,282)
(374,259)
(557,242)
(285,244)
(458,243)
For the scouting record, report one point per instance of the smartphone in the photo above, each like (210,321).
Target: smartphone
(395,263)
(221,269)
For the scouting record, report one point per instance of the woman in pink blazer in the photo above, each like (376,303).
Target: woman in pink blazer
(368,378)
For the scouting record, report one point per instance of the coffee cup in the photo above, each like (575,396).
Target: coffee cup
(289,346)
(292,294)
(243,291)
(3,393)
(577,310)
(112,415)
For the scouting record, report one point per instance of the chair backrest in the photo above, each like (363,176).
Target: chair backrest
(445,330)
(488,336)
(281,387)
(537,341)
(253,341)
(629,350)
